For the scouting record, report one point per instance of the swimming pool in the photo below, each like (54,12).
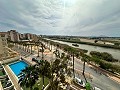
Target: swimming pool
(18,66)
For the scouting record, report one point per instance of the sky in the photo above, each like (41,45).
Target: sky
(61,17)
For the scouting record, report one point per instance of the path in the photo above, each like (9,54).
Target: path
(14,80)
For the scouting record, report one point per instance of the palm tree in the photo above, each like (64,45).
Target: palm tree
(38,50)
(31,48)
(44,70)
(42,50)
(51,43)
(59,68)
(28,77)
(84,58)
(72,52)
(37,44)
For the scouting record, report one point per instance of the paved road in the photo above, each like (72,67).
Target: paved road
(101,81)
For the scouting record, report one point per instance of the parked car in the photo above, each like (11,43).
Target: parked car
(96,88)
(79,82)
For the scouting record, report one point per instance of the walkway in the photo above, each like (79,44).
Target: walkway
(14,80)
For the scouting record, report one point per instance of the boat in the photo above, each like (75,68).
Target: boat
(76,45)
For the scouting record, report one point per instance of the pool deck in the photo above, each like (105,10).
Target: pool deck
(1,88)
(13,78)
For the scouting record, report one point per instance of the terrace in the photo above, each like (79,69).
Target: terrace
(5,81)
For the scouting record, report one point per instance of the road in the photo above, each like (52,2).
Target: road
(99,80)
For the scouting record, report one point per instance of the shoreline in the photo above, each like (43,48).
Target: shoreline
(89,43)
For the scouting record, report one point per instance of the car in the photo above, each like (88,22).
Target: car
(79,82)
(96,88)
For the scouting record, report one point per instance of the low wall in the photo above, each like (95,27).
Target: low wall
(30,63)
(10,60)
(47,87)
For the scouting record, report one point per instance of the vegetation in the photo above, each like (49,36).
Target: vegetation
(103,55)
(55,72)
(60,70)
(28,77)
(117,44)
(109,66)
(89,43)
(96,41)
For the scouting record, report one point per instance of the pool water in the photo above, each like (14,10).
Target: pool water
(18,66)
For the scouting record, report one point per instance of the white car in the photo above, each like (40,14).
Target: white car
(79,82)
(96,88)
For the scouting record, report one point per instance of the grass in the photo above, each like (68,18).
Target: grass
(2,73)
(38,84)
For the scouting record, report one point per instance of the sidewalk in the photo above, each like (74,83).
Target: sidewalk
(14,80)
(114,78)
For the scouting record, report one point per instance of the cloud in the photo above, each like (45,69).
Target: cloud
(66,17)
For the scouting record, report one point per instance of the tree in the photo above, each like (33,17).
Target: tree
(28,77)
(84,58)
(116,43)
(72,53)
(96,41)
(44,69)
(42,50)
(60,69)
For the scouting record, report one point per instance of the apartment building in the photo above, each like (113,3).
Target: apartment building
(3,44)
(13,35)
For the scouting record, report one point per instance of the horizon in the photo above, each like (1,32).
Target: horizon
(61,17)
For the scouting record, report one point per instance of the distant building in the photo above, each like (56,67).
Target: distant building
(28,36)
(13,35)
(3,45)
(34,37)
(22,36)
(31,37)
(5,34)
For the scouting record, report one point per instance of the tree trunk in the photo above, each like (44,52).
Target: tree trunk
(51,47)
(83,67)
(73,66)
(43,82)
(38,50)
(31,88)
(31,49)
(42,52)
(84,71)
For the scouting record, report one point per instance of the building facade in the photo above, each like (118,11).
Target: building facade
(3,45)
(13,35)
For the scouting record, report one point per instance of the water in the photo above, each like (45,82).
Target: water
(18,66)
(114,52)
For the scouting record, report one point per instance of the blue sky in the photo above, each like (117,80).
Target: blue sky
(61,17)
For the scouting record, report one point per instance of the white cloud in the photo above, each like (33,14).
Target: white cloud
(68,17)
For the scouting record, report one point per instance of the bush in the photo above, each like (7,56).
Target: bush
(104,56)
(116,44)
(105,65)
